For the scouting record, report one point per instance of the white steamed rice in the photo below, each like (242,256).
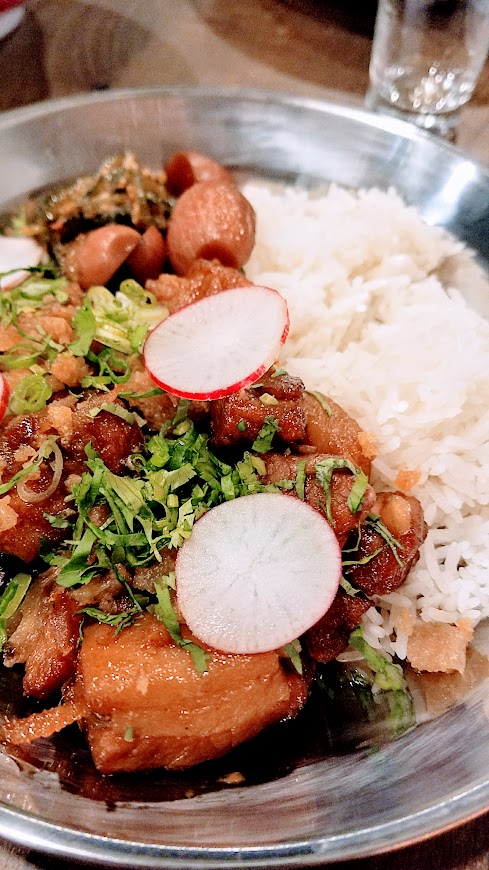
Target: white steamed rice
(376,325)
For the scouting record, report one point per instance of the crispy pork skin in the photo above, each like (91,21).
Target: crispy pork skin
(146,706)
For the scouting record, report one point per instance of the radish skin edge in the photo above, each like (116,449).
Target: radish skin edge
(219,344)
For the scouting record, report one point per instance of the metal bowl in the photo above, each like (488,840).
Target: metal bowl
(348,805)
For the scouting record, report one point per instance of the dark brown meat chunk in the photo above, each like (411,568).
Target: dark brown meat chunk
(403,517)
(204,278)
(112,438)
(280,467)
(247,407)
(18,432)
(329,637)
(24,539)
(336,433)
(46,637)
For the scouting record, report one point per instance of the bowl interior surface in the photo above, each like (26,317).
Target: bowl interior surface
(349,805)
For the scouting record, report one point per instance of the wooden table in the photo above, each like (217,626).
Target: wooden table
(305,47)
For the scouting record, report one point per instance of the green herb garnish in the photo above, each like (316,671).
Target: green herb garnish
(324,472)
(118,621)
(300,478)
(30,395)
(11,600)
(387,675)
(375,523)
(293,651)
(164,611)
(263,441)
(119,321)
(322,401)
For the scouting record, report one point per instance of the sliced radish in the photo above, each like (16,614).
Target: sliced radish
(4,396)
(219,344)
(257,572)
(17,252)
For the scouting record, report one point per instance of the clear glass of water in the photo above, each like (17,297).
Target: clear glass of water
(426,58)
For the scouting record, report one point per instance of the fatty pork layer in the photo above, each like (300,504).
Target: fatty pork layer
(145,706)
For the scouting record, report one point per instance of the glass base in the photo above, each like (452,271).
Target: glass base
(443,124)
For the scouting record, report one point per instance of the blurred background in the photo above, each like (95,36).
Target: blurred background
(68,46)
(314,48)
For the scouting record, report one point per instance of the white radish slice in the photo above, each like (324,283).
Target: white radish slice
(4,396)
(257,572)
(17,252)
(219,344)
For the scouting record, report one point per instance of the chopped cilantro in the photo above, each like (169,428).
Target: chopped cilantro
(300,478)
(10,601)
(119,321)
(347,586)
(322,401)
(85,327)
(118,621)
(293,651)
(129,417)
(164,611)
(263,441)
(62,520)
(324,472)
(387,675)
(375,523)
(157,391)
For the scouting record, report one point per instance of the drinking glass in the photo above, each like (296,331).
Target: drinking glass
(426,58)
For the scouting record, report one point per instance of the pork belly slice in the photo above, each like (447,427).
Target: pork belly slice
(146,706)
(111,437)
